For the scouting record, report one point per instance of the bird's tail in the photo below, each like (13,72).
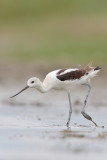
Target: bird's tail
(92,71)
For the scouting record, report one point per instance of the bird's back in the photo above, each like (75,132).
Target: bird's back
(66,78)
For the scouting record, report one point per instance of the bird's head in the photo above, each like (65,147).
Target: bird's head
(31,83)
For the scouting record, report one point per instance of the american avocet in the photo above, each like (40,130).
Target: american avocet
(65,79)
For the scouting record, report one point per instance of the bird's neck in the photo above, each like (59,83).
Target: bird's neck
(43,89)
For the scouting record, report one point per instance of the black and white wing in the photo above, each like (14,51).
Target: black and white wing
(70,74)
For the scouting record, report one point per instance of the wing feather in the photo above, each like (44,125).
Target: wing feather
(77,74)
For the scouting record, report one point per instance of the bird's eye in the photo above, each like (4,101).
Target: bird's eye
(32,81)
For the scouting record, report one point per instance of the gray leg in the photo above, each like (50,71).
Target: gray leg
(70,109)
(85,102)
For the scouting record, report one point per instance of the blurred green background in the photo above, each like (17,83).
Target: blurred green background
(50,32)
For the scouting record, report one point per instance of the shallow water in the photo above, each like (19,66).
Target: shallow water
(33,127)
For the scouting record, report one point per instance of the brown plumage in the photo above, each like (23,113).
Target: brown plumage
(89,67)
(72,75)
(60,71)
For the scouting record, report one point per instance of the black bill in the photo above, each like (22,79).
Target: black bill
(20,91)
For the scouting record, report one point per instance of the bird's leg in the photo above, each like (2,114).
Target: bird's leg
(85,102)
(70,109)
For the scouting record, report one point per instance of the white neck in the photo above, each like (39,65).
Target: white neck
(41,88)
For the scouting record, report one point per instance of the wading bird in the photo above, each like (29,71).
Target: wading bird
(65,79)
